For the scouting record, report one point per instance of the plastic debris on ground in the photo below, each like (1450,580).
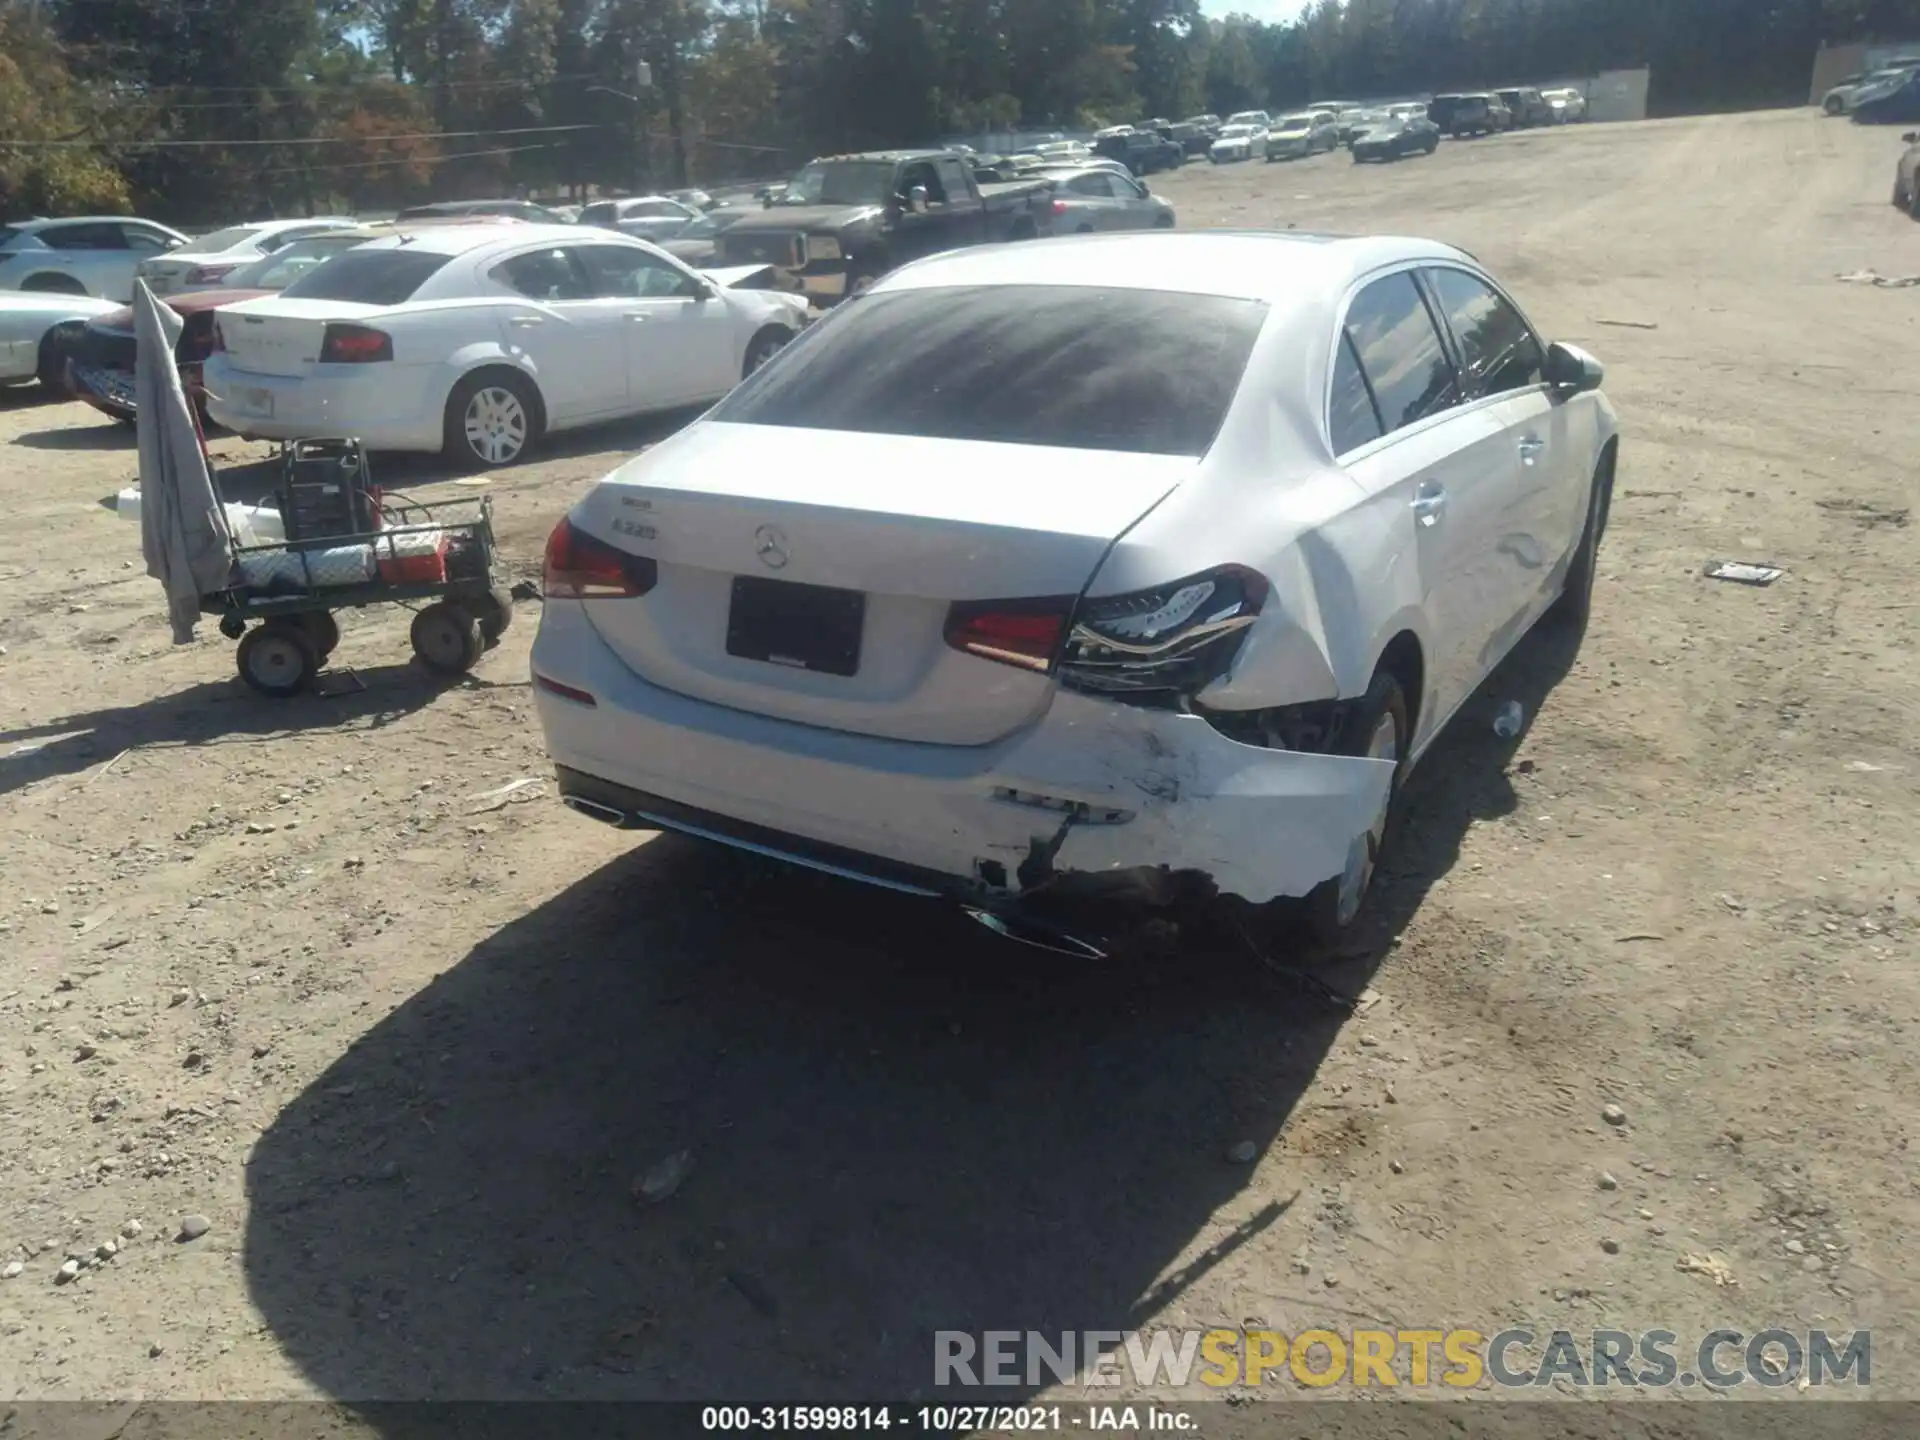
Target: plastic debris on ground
(1741,573)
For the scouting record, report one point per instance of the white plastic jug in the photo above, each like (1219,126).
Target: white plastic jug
(249,524)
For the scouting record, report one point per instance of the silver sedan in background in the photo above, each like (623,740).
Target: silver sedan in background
(1090,199)
(36,332)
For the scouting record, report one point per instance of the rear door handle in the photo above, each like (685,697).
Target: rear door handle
(636,317)
(1530,448)
(526,322)
(1429,503)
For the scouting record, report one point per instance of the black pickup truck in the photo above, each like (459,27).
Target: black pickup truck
(845,220)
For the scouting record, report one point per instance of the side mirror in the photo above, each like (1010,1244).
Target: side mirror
(1912,137)
(1145,189)
(1571,370)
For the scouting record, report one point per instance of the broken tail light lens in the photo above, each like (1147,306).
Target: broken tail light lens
(1172,640)
(354,345)
(580,567)
(1025,633)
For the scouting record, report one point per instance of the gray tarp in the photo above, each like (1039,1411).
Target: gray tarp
(183,530)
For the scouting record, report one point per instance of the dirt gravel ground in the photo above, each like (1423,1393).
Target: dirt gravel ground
(405,1047)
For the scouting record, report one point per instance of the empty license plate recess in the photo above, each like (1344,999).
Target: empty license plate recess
(804,627)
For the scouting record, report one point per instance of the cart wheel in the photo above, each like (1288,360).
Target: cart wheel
(496,613)
(277,659)
(447,638)
(232,626)
(323,630)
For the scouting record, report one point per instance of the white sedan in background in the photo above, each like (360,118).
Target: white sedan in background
(81,255)
(1042,571)
(476,340)
(36,331)
(1237,142)
(209,259)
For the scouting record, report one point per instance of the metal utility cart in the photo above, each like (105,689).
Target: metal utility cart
(349,545)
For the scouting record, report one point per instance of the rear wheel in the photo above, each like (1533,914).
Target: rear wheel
(1835,105)
(52,367)
(447,638)
(1376,729)
(496,614)
(322,631)
(492,418)
(277,658)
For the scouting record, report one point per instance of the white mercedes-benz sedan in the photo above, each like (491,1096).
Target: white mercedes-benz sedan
(478,339)
(1044,567)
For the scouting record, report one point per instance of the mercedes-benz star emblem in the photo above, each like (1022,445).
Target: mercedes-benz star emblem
(771,546)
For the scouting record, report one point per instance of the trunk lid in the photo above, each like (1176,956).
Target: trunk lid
(909,524)
(282,337)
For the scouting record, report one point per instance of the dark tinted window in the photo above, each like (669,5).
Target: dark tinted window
(84,237)
(370,277)
(1400,351)
(1099,183)
(1351,419)
(1497,350)
(153,242)
(1133,370)
(547,275)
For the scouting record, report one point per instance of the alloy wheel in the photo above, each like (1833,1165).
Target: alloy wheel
(496,424)
(1364,854)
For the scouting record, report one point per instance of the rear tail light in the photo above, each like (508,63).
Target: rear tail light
(197,341)
(1059,207)
(209,274)
(354,345)
(1026,633)
(580,567)
(1172,640)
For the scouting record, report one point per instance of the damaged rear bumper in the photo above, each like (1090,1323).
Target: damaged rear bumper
(1090,789)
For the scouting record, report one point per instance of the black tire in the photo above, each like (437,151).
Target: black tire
(500,432)
(1330,915)
(1835,105)
(860,281)
(496,615)
(277,659)
(1576,599)
(51,368)
(1165,222)
(763,347)
(323,631)
(53,285)
(447,639)
(1913,199)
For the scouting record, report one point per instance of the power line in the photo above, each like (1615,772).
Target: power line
(293,140)
(328,168)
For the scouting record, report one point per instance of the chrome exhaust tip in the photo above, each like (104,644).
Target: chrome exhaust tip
(1025,930)
(594,810)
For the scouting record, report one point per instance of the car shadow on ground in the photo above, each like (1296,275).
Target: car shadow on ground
(897,1124)
(214,713)
(106,434)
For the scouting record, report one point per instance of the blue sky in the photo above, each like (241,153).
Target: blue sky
(1259,9)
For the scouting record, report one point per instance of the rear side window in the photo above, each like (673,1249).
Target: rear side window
(1351,419)
(1497,351)
(83,237)
(601,212)
(368,277)
(547,275)
(1400,352)
(1141,371)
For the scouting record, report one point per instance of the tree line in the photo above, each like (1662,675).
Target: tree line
(201,111)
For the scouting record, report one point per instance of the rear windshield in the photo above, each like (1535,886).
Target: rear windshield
(1142,371)
(370,277)
(290,262)
(224,239)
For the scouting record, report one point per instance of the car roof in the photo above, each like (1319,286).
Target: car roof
(42,223)
(459,239)
(1247,264)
